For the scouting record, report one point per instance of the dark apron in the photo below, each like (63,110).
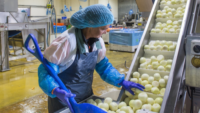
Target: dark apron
(78,78)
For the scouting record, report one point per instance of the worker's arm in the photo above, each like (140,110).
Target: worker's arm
(105,69)
(46,82)
(108,73)
(57,54)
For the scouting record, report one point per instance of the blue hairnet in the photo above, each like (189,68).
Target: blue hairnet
(92,16)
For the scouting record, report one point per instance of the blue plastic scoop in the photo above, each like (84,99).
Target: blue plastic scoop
(76,108)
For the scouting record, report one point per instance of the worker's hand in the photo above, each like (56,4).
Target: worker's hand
(127,85)
(63,95)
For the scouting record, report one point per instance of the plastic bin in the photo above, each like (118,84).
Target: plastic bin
(126,37)
(60,29)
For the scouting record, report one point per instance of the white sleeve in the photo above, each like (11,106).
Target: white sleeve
(102,51)
(58,50)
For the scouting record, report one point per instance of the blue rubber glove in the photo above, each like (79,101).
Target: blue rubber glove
(127,85)
(63,95)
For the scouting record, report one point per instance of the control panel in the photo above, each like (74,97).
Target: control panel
(193,61)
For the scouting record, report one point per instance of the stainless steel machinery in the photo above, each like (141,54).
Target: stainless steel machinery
(14,18)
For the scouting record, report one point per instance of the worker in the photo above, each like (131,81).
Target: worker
(75,54)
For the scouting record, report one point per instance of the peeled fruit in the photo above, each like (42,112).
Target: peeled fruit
(104,109)
(158,31)
(98,101)
(169,43)
(165,30)
(104,105)
(142,60)
(155,84)
(136,75)
(155,65)
(163,63)
(169,22)
(158,48)
(153,30)
(149,67)
(127,99)
(156,43)
(93,103)
(163,42)
(153,58)
(125,109)
(144,76)
(146,47)
(137,111)
(164,15)
(143,65)
(111,111)
(144,82)
(134,80)
(173,2)
(158,27)
(150,101)
(118,111)
(99,105)
(151,79)
(155,108)
(168,67)
(160,58)
(143,97)
(166,78)
(168,2)
(165,48)
(140,81)
(159,23)
(137,104)
(161,68)
(162,83)
(128,94)
(148,87)
(135,96)
(113,106)
(158,100)
(175,23)
(138,91)
(147,106)
(121,104)
(170,15)
(162,91)
(90,101)
(179,22)
(131,103)
(157,76)
(172,48)
(122,112)
(163,2)
(177,15)
(166,7)
(169,62)
(108,100)
(159,15)
(152,47)
(155,90)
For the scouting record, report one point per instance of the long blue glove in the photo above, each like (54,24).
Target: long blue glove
(46,82)
(108,73)
(63,95)
(127,85)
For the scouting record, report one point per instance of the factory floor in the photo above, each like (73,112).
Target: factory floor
(20,93)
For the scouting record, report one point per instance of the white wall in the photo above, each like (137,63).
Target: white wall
(59,4)
(35,11)
(76,3)
(114,6)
